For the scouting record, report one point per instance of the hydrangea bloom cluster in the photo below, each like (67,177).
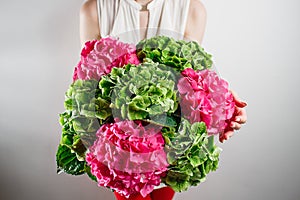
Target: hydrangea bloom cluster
(205,97)
(98,57)
(139,116)
(128,157)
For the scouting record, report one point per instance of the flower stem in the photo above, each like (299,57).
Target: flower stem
(210,143)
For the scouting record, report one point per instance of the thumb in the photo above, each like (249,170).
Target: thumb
(238,102)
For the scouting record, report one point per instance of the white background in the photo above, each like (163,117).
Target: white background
(256,47)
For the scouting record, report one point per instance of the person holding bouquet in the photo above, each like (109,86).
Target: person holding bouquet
(135,20)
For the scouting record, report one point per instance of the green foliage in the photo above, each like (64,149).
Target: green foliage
(70,155)
(85,109)
(179,54)
(140,92)
(68,162)
(85,99)
(191,155)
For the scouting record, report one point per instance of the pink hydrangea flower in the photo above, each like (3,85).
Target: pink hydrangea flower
(205,97)
(128,157)
(98,57)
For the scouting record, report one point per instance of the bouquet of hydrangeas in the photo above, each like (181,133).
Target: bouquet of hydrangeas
(140,116)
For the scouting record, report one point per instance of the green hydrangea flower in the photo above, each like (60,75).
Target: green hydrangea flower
(85,111)
(140,92)
(191,155)
(179,54)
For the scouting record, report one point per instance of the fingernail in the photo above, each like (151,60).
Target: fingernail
(238,119)
(244,103)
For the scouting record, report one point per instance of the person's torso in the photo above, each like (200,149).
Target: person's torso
(121,18)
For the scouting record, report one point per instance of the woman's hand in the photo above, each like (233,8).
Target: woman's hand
(238,119)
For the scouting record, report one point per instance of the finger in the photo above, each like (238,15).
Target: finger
(228,134)
(237,100)
(235,126)
(240,115)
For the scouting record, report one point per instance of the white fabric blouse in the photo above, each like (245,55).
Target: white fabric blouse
(121,18)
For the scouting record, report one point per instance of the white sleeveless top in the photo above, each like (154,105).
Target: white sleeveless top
(121,18)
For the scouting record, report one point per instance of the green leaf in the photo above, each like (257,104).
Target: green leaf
(67,161)
(90,175)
